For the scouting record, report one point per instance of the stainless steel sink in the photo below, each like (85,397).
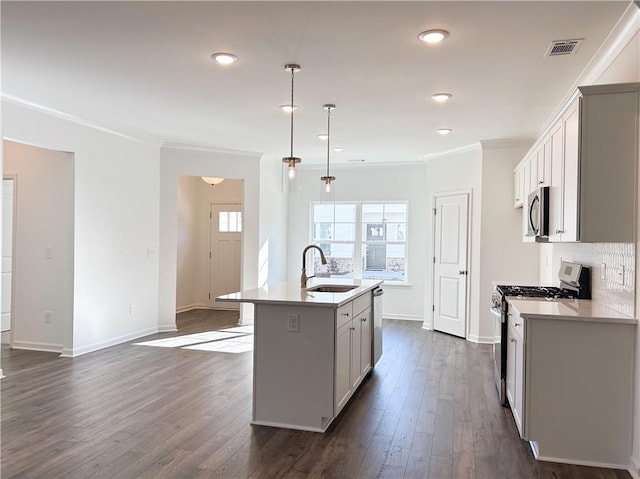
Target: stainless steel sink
(331,288)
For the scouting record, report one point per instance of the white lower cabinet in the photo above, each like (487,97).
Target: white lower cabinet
(353,356)
(515,369)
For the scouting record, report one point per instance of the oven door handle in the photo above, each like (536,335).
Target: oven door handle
(496,312)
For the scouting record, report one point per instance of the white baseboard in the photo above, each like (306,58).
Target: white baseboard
(167,328)
(577,462)
(189,307)
(403,317)
(2,376)
(31,346)
(480,339)
(89,348)
(634,467)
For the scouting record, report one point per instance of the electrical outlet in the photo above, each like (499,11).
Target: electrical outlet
(48,316)
(48,252)
(620,274)
(603,271)
(293,323)
(132,309)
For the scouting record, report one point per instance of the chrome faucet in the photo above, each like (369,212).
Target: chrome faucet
(304,277)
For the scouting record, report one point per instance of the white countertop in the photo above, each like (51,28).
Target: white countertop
(568,309)
(290,293)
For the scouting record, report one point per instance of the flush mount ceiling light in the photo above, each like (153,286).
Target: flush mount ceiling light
(323,136)
(433,36)
(224,58)
(212,180)
(291,161)
(441,97)
(444,131)
(288,108)
(328,179)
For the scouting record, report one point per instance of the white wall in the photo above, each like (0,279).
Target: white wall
(115,219)
(187,243)
(44,221)
(179,160)
(456,172)
(504,256)
(372,183)
(274,252)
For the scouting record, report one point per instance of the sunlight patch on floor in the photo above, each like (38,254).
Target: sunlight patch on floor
(230,340)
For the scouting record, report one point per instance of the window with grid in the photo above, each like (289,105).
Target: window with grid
(361,240)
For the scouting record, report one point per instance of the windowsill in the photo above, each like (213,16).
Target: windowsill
(396,284)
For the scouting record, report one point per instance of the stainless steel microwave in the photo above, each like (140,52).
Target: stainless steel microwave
(538,214)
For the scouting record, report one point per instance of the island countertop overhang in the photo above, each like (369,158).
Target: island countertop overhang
(290,293)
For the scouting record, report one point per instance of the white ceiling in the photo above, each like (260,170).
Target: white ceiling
(145,68)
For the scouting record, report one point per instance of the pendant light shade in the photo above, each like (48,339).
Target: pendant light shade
(291,178)
(328,188)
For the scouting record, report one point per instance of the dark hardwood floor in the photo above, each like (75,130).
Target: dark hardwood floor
(428,410)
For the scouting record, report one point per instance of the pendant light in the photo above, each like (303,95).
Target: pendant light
(212,180)
(290,162)
(328,190)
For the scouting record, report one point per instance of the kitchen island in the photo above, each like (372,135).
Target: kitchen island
(570,380)
(312,349)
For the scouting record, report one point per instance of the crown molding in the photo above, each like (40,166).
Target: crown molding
(170,145)
(507,143)
(102,126)
(454,151)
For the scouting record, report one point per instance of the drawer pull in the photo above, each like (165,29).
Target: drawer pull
(517,325)
(559,232)
(363,319)
(345,314)
(352,329)
(513,340)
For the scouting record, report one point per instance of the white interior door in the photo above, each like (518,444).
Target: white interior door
(225,253)
(7,252)
(450,264)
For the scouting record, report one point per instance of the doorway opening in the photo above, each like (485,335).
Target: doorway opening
(210,232)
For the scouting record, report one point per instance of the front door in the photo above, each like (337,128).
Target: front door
(225,253)
(451,226)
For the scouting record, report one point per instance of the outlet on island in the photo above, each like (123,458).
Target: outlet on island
(293,323)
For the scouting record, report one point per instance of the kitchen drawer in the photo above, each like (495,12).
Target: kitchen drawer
(344,314)
(361,303)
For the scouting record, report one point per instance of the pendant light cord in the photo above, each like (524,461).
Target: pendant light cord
(328,136)
(292,75)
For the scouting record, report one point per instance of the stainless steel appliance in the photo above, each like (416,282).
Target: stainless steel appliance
(538,214)
(377,323)
(574,284)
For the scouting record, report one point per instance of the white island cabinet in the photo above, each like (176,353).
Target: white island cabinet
(311,351)
(570,380)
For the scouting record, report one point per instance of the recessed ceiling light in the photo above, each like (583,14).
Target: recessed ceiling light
(224,58)
(441,97)
(287,108)
(444,131)
(338,149)
(433,36)
(323,136)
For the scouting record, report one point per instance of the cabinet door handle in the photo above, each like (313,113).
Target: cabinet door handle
(345,314)
(352,329)
(517,325)
(363,319)
(540,182)
(513,340)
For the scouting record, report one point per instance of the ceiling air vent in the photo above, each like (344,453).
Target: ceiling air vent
(564,47)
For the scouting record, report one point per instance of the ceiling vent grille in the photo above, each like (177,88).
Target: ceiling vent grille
(564,47)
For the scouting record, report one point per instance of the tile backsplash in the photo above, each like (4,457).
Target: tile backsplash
(616,290)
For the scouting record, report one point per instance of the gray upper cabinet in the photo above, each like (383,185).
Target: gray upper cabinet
(608,159)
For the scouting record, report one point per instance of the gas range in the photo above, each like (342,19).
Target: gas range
(536,292)
(574,284)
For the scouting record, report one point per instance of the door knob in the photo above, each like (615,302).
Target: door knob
(462,272)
